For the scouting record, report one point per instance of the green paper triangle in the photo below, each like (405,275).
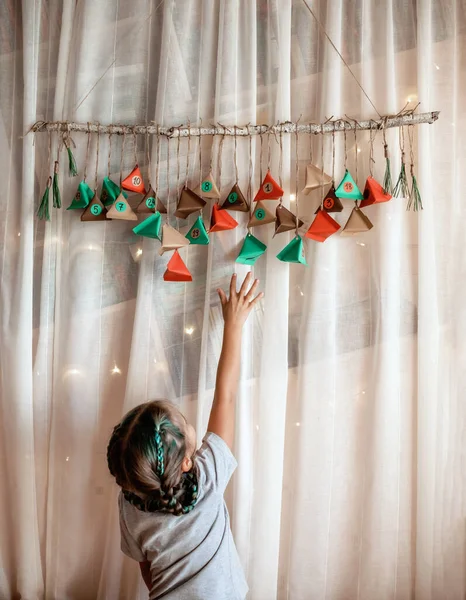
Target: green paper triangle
(252,249)
(348,188)
(82,198)
(293,252)
(150,227)
(110,192)
(198,233)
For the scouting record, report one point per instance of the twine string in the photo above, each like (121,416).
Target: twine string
(87,150)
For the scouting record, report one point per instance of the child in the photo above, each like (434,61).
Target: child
(173,517)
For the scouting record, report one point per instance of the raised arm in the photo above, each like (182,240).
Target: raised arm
(236,309)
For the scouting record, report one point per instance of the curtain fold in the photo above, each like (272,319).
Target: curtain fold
(350,419)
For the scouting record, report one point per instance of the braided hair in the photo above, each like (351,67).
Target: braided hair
(145,455)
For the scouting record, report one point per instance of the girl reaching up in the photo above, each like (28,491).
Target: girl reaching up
(173,517)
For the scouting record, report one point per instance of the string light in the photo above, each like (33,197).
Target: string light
(189,330)
(116,370)
(139,252)
(298,424)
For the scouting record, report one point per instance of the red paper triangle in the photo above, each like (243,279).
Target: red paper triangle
(269,189)
(134,181)
(176,269)
(373,193)
(322,227)
(221,220)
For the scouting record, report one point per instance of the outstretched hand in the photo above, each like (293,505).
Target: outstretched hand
(237,307)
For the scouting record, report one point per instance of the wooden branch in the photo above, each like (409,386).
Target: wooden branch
(331,125)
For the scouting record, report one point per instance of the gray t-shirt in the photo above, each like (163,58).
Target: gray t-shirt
(192,556)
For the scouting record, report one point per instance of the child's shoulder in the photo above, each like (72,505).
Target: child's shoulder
(215,462)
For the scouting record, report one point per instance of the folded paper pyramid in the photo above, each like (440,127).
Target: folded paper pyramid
(121,209)
(221,220)
(110,192)
(150,227)
(208,188)
(358,222)
(134,181)
(261,216)
(322,227)
(176,269)
(373,193)
(236,200)
(188,203)
(198,233)
(251,250)
(285,220)
(331,202)
(348,188)
(147,204)
(82,197)
(172,239)
(95,211)
(293,252)
(269,189)
(160,206)
(315,178)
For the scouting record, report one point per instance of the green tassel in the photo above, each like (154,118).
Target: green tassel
(415,200)
(43,211)
(401,188)
(387,180)
(73,169)
(55,188)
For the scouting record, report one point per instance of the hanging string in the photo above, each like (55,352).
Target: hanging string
(97,159)
(212,154)
(355,153)
(200,157)
(371,150)
(310,147)
(55,187)
(280,163)
(269,151)
(297,177)
(261,156)
(135,144)
(333,154)
(387,180)
(178,148)
(346,150)
(235,156)
(401,188)
(109,150)
(87,150)
(168,178)
(415,200)
(188,152)
(149,178)
(68,142)
(121,158)
(322,163)
(157,162)
(220,159)
(43,212)
(249,193)
(338,52)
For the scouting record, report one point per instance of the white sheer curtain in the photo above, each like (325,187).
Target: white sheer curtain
(351,418)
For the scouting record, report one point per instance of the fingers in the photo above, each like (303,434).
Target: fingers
(222,296)
(233,285)
(245,285)
(256,300)
(250,295)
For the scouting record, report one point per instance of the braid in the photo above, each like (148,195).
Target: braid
(160,456)
(145,455)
